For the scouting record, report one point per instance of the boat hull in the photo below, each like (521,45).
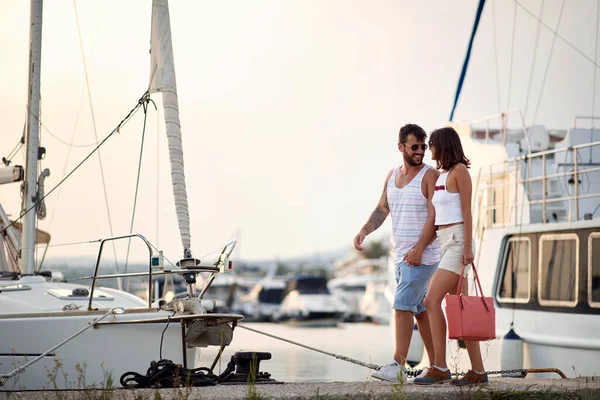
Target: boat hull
(97,357)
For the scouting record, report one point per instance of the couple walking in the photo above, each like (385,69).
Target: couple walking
(424,203)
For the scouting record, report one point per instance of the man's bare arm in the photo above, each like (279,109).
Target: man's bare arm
(377,217)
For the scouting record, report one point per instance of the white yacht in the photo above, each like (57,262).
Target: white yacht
(58,335)
(308,302)
(362,296)
(374,305)
(263,301)
(537,230)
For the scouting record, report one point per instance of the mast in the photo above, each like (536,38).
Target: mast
(27,260)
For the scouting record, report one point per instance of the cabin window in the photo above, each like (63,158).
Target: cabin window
(515,282)
(594,269)
(558,278)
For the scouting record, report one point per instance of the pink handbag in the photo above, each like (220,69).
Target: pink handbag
(470,317)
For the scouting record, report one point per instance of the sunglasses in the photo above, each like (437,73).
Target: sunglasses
(414,147)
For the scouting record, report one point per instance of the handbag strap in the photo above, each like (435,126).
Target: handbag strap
(460,280)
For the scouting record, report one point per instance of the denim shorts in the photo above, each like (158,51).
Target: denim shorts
(411,286)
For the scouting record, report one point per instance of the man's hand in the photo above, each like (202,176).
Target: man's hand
(359,239)
(413,257)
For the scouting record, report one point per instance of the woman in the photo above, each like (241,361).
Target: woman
(452,203)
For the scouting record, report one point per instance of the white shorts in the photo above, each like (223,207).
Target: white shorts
(452,243)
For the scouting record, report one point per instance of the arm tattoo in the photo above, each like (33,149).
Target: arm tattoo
(375,220)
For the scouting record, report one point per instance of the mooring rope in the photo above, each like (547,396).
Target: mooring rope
(410,372)
(338,356)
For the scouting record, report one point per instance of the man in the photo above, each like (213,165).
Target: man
(407,197)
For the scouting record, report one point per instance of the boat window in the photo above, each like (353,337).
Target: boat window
(75,294)
(311,285)
(515,282)
(558,278)
(354,288)
(272,296)
(594,269)
(14,288)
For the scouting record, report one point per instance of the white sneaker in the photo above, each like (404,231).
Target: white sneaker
(390,373)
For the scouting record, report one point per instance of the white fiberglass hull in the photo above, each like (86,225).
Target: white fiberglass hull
(92,358)
(39,315)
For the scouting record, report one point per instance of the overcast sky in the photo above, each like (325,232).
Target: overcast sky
(289,109)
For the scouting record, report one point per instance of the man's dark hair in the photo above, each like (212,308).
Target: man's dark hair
(448,148)
(411,129)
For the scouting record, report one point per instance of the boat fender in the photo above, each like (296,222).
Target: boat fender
(415,349)
(511,351)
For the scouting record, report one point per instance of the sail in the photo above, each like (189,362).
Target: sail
(162,79)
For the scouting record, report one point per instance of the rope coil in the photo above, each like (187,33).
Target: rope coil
(166,374)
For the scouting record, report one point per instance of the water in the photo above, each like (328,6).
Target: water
(290,363)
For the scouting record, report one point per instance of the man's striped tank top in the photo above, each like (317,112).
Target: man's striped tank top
(408,209)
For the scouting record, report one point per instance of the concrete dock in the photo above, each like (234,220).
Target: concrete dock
(499,388)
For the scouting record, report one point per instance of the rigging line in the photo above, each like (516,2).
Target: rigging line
(562,7)
(164,257)
(512,51)
(467,57)
(496,56)
(157,175)
(115,130)
(72,243)
(520,222)
(19,145)
(64,142)
(14,151)
(555,31)
(594,85)
(89,92)
(137,182)
(595,58)
(64,170)
(535,47)
(71,145)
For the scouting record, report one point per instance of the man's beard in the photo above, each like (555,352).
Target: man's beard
(412,162)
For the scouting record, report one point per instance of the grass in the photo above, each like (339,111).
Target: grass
(584,389)
(251,391)
(398,392)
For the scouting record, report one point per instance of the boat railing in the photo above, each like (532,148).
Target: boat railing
(95,276)
(188,268)
(503,116)
(500,186)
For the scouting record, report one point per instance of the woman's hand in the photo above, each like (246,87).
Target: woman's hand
(467,256)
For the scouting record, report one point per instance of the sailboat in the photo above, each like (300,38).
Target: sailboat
(61,335)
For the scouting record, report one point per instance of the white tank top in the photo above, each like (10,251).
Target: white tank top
(447,205)
(408,209)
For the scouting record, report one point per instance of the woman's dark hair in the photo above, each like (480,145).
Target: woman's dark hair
(411,129)
(448,148)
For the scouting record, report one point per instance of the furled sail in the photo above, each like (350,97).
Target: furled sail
(162,79)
